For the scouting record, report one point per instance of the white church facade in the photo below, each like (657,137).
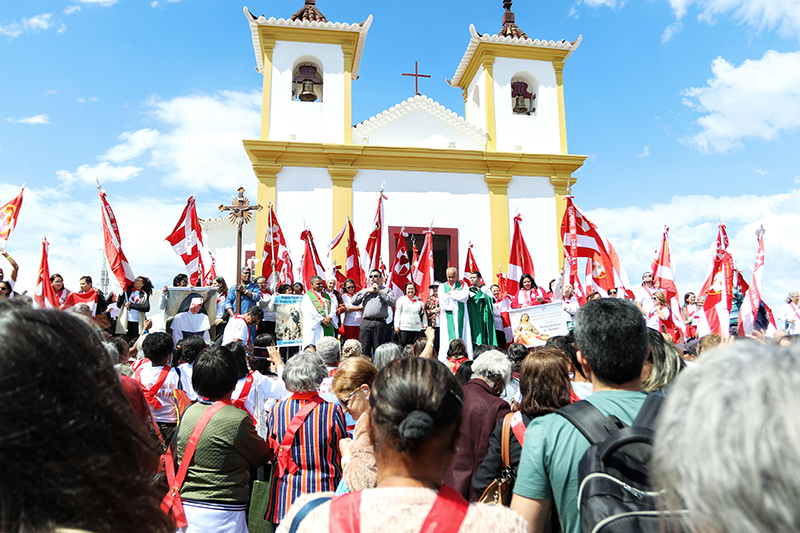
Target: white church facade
(467,176)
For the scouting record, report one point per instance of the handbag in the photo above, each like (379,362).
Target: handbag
(499,492)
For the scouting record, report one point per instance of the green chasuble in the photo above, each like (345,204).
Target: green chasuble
(481,317)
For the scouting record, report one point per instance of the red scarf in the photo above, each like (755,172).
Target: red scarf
(248,384)
(246,324)
(151,393)
(283,450)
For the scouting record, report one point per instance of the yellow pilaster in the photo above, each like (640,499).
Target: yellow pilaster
(267,191)
(466,104)
(498,216)
(562,115)
(268,45)
(348,50)
(342,203)
(488,83)
(560,184)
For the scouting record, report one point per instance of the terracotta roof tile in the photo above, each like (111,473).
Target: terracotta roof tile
(509,28)
(309,12)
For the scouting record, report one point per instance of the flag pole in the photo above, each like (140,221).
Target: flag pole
(270,216)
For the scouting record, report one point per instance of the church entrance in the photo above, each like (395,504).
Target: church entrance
(445,247)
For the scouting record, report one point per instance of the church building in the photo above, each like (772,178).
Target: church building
(466,176)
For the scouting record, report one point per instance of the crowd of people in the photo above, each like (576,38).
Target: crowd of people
(395,414)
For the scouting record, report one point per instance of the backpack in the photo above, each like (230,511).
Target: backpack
(615,493)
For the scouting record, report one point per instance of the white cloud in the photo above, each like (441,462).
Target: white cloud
(52,91)
(693,227)
(671,30)
(645,152)
(104,3)
(201,141)
(760,98)
(758,14)
(757,170)
(613,4)
(62,28)
(573,13)
(103,172)
(153,4)
(37,23)
(90,99)
(69,10)
(37,119)
(135,144)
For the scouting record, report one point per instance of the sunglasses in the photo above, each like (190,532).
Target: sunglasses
(346,402)
(373,277)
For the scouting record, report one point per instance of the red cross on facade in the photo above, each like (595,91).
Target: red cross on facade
(417,76)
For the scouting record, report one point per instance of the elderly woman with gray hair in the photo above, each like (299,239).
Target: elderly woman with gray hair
(483,409)
(304,431)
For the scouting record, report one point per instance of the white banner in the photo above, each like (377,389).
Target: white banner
(532,326)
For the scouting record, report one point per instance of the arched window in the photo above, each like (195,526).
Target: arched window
(307,82)
(524,89)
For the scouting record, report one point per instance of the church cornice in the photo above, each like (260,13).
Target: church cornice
(427,104)
(266,31)
(486,47)
(558,167)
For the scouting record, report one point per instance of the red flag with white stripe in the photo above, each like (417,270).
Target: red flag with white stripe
(372,259)
(400,270)
(352,265)
(44,296)
(312,266)
(748,311)
(187,241)
(276,265)
(519,261)
(582,238)
(89,298)
(423,270)
(8,217)
(717,290)
(113,246)
(664,274)
(470,266)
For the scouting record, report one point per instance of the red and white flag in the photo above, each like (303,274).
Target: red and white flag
(352,265)
(423,270)
(748,311)
(583,239)
(717,290)
(187,241)
(113,246)
(312,265)
(8,217)
(276,264)
(664,275)
(470,266)
(89,298)
(44,296)
(372,259)
(400,270)
(519,261)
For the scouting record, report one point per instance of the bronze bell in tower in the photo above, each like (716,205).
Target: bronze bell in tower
(520,106)
(308,94)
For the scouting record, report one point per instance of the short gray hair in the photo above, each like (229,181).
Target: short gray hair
(328,350)
(492,366)
(352,348)
(790,296)
(304,372)
(726,441)
(385,354)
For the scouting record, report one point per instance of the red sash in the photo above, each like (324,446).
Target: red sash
(248,327)
(446,515)
(248,384)
(283,451)
(151,393)
(518,427)
(172,501)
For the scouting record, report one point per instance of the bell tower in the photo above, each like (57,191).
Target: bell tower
(513,88)
(308,65)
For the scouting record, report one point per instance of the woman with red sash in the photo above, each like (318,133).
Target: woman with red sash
(304,431)
(415,412)
(530,294)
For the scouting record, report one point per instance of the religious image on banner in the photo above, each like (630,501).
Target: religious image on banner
(288,319)
(533,326)
(179,300)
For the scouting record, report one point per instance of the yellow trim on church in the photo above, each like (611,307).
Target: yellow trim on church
(498,216)
(311,35)
(341,204)
(268,45)
(267,176)
(488,86)
(562,115)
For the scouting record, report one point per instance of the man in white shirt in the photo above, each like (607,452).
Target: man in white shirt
(789,315)
(643,295)
(240,326)
(158,381)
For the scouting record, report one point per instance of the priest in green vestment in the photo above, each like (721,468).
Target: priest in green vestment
(479,308)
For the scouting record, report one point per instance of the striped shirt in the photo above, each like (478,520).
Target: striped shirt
(315,450)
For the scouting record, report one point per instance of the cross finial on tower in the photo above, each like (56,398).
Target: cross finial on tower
(309,12)
(509,28)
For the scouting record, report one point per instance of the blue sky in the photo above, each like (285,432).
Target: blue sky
(688,111)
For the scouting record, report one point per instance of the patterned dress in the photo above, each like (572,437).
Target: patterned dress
(315,449)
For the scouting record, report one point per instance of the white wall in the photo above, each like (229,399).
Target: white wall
(477,114)
(307,121)
(419,128)
(533,198)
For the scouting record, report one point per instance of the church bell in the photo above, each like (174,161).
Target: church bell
(520,107)
(308,94)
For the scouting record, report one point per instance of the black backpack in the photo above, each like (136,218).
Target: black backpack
(615,493)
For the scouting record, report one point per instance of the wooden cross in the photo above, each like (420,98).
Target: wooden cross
(240,214)
(417,76)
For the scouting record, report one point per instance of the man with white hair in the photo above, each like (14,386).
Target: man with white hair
(483,409)
(329,350)
(726,442)
(789,315)
(454,319)
(191,322)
